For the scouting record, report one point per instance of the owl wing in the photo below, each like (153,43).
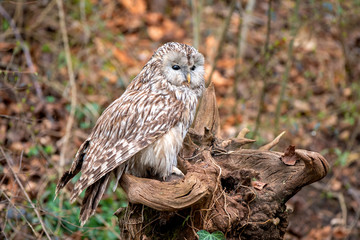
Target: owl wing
(128,125)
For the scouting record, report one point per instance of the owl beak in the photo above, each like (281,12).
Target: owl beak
(188,77)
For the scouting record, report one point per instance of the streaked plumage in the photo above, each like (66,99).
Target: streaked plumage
(142,131)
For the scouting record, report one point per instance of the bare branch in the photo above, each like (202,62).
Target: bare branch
(273,142)
(221,41)
(25,193)
(71,81)
(26,51)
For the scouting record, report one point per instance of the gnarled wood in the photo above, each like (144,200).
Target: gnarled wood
(241,192)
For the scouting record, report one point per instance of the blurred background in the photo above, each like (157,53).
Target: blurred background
(276,66)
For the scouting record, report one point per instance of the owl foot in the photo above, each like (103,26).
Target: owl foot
(175,174)
(177,171)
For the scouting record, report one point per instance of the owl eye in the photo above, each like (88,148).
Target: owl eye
(193,68)
(176,67)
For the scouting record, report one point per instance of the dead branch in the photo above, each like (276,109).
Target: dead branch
(25,193)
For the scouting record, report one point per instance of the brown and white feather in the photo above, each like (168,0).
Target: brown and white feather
(142,131)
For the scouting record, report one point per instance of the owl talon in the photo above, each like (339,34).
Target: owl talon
(176,174)
(177,171)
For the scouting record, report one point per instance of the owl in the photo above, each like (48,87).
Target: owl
(142,131)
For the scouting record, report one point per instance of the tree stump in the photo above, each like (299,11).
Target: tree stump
(241,192)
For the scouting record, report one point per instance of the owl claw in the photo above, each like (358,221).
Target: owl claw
(175,174)
(177,171)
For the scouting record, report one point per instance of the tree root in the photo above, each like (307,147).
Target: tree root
(240,192)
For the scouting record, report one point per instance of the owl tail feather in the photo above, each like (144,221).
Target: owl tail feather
(92,198)
(75,168)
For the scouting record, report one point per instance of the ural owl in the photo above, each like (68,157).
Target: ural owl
(142,131)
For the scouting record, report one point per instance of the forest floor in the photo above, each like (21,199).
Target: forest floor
(305,66)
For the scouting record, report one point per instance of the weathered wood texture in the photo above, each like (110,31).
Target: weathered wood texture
(241,192)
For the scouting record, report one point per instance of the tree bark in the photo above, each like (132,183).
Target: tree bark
(241,192)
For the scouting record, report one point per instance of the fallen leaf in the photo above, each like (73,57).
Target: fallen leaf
(340,232)
(217,79)
(289,157)
(122,57)
(335,185)
(136,7)
(258,185)
(173,30)
(153,18)
(156,32)
(302,106)
(4,46)
(110,76)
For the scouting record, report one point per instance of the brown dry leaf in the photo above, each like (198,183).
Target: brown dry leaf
(302,106)
(136,7)
(100,47)
(258,185)
(217,79)
(305,39)
(3,109)
(331,120)
(226,63)
(319,234)
(153,18)
(2,133)
(17,146)
(111,76)
(340,232)
(122,57)
(156,32)
(127,21)
(335,185)
(5,46)
(347,92)
(174,30)
(31,187)
(289,157)
(344,135)
(220,81)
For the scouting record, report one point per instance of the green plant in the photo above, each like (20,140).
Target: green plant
(64,219)
(205,235)
(342,157)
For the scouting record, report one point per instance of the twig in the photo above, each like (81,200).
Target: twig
(238,62)
(340,197)
(221,41)
(25,120)
(241,46)
(243,133)
(356,130)
(289,62)
(347,63)
(41,16)
(356,196)
(70,71)
(21,214)
(237,54)
(272,143)
(25,193)
(245,26)
(83,20)
(72,84)
(266,57)
(25,49)
(196,7)
(102,220)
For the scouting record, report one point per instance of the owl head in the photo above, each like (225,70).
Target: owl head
(181,65)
